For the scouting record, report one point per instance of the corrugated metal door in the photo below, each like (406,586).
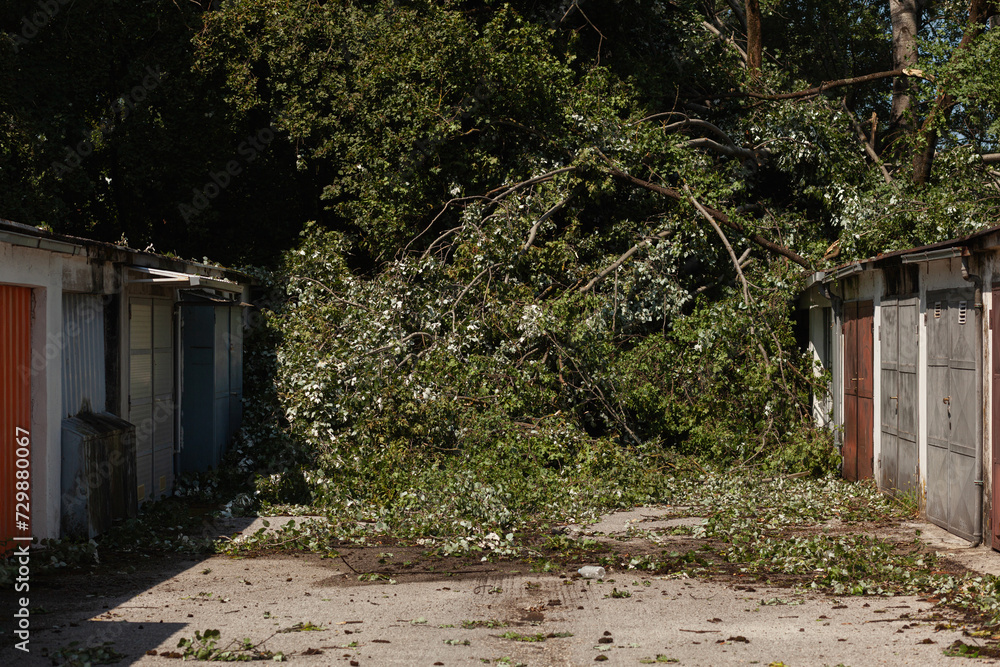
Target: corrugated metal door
(83,372)
(898,334)
(954,413)
(15,405)
(151,394)
(858,390)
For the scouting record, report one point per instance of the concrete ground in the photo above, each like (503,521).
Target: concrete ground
(317,612)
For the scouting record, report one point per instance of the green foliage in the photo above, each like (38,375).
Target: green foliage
(204,647)
(728,383)
(462,398)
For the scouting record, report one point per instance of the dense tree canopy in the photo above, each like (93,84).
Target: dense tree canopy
(597,210)
(382,112)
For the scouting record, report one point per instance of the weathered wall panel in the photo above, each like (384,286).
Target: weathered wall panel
(84,385)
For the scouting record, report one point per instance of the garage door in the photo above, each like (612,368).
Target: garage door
(15,414)
(898,457)
(954,413)
(151,394)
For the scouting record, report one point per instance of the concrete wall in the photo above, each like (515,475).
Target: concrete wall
(42,272)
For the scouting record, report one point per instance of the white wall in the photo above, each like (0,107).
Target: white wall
(42,271)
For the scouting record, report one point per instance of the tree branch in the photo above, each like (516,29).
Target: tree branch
(730,151)
(738,12)
(676,195)
(331,292)
(402,340)
(621,259)
(538,223)
(869,150)
(728,40)
(830,85)
(718,230)
(701,124)
(531,181)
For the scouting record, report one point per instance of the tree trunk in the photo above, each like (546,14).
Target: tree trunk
(905,18)
(755,38)
(980,12)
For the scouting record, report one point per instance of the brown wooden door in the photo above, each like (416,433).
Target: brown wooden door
(859,389)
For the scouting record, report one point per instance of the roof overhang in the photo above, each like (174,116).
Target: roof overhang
(198,297)
(178,279)
(844,272)
(935,255)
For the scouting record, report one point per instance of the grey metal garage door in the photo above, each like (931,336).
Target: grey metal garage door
(954,412)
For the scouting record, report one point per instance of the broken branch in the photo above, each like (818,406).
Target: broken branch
(725,242)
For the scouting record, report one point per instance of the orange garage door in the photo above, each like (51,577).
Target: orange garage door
(15,414)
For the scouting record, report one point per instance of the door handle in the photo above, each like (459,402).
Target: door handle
(946,399)
(894,398)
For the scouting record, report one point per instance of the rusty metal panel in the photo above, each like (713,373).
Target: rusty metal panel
(954,410)
(866,347)
(83,359)
(15,404)
(850,447)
